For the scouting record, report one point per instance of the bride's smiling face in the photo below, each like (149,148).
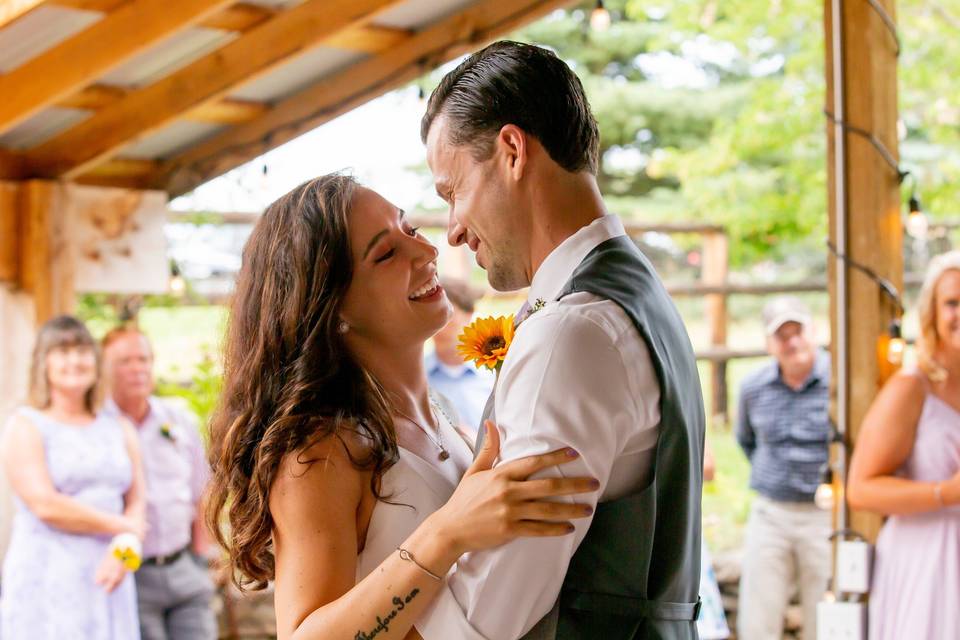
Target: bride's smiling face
(394,296)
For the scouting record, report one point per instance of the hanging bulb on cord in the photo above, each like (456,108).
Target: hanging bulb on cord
(897,344)
(824,497)
(600,17)
(917,223)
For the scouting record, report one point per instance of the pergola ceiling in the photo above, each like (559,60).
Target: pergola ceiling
(167,94)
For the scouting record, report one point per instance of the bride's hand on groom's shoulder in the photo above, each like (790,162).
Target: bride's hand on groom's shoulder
(492,506)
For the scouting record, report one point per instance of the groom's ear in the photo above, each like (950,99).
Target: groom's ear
(513,143)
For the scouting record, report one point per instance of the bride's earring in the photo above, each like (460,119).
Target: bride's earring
(343,327)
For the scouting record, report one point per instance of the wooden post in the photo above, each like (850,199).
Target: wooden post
(871,195)
(46,254)
(715,265)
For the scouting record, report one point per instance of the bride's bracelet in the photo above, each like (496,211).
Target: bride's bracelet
(407,556)
(938,494)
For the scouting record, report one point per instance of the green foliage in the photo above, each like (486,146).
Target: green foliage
(716,107)
(200,393)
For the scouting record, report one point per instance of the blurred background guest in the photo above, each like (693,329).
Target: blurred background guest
(783,427)
(907,465)
(78,482)
(174,587)
(463,384)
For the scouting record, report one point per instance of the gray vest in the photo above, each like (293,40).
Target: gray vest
(636,574)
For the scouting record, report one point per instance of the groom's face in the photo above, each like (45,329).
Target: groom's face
(483,212)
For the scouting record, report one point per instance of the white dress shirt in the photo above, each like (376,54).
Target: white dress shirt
(578,375)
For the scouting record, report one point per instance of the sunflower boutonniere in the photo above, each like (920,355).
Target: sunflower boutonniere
(167,432)
(486,341)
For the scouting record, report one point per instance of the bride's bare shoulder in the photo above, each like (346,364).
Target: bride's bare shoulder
(327,462)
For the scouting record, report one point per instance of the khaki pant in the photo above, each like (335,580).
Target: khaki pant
(787,544)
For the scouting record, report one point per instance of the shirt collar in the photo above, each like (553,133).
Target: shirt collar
(433,365)
(557,268)
(110,408)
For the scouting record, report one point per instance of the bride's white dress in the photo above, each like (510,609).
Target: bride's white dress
(413,488)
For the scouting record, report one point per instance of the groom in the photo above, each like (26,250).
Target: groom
(600,362)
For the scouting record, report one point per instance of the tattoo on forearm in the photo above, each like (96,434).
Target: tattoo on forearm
(383,624)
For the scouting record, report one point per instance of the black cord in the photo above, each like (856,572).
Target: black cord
(888,21)
(885,285)
(872,139)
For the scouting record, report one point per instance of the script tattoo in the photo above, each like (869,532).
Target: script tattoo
(383,624)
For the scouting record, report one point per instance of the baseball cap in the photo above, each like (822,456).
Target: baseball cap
(782,310)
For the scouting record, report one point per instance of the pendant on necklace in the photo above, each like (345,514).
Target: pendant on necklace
(444,454)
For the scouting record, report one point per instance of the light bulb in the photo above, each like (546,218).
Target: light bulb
(917,224)
(823,498)
(895,351)
(178,285)
(600,18)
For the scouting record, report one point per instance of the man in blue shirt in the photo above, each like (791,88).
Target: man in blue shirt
(783,427)
(462,383)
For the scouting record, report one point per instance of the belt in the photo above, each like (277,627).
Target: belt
(633,607)
(160,561)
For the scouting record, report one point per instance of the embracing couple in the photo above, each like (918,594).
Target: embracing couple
(343,480)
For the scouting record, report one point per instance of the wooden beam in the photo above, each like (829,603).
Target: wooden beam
(225,111)
(103,6)
(81,59)
(80,148)
(873,229)
(350,88)
(243,16)
(12,165)
(369,38)
(10,10)
(9,218)
(240,17)
(46,256)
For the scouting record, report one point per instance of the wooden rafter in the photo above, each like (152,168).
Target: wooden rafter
(243,16)
(225,111)
(290,32)
(10,10)
(12,165)
(81,59)
(348,89)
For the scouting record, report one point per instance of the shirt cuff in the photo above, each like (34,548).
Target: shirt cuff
(444,619)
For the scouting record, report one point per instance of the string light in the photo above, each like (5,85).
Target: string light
(825,496)
(600,17)
(917,223)
(897,345)
(177,285)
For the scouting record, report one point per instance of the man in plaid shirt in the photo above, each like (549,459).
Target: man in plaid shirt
(783,427)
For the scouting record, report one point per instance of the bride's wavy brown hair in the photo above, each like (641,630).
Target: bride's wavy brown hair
(289,379)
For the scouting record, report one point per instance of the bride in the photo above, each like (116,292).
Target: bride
(339,476)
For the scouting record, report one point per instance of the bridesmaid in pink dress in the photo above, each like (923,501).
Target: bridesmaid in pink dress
(906,465)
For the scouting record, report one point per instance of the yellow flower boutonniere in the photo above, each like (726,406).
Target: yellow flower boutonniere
(167,432)
(485,342)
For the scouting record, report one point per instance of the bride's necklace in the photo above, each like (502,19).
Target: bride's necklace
(438,441)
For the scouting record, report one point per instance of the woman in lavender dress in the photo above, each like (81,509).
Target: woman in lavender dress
(78,482)
(907,466)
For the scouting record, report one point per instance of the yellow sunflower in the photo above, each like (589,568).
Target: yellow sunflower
(486,341)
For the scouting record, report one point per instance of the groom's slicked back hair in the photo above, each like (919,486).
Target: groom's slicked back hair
(520,84)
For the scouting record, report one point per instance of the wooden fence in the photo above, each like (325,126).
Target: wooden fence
(713,285)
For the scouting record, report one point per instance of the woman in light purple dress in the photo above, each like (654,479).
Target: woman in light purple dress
(906,465)
(78,483)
